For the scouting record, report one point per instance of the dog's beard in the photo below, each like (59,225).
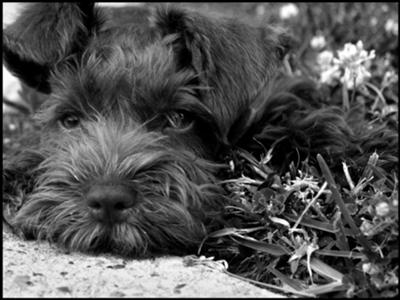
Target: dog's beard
(174,189)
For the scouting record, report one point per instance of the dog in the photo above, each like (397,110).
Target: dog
(142,106)
(139,105)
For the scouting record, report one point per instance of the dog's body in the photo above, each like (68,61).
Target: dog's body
(142,105)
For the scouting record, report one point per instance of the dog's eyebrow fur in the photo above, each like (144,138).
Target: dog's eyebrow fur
(145,82)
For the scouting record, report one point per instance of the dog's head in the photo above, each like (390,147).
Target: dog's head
(137,101)
(112,53)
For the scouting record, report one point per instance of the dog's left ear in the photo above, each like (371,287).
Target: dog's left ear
(210,43)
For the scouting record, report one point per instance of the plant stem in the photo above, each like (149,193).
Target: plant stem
(353,94)
(346,104)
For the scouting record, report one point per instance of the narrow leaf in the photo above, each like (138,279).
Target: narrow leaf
(294,284)
(326,288)
(276,250)
(338,253)
(308,222)
(339,201)
(323,269)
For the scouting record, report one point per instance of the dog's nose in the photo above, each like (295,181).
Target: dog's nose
(110,203)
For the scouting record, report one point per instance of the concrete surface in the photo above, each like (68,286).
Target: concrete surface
(33,269)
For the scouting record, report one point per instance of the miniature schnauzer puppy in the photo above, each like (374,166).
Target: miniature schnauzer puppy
(139,105)
(142,106)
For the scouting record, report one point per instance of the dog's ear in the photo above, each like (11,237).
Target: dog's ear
(283,41)
(191,46)
(207,43)
(44,34)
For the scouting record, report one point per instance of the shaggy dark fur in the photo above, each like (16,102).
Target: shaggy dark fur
(299,120)
(142,105)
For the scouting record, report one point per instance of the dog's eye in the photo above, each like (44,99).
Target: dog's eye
(178,119)
(70,121)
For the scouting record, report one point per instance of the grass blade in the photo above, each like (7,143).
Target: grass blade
(338,198)
(326,288)
(294,284)
(273,249)
(338,253)
(323,269)
(307,222)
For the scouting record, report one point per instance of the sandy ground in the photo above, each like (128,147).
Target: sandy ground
(33,269)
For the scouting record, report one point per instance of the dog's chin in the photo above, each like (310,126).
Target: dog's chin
(152,228)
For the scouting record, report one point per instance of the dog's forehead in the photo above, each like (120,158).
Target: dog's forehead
(134,76)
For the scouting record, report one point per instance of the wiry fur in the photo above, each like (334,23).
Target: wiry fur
(172,189)
(299,121)
(123,76)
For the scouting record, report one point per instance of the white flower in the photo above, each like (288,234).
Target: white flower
(351,60)
(392,27)
(318,42)
(354,54)
(373,22)
(389,78)
(330,76)
(328,70)
(370,268)
(325,58)
(355,76)
(288,11)
(350,67)
(12,127)
(260,10)
(382,209)
(366,227)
